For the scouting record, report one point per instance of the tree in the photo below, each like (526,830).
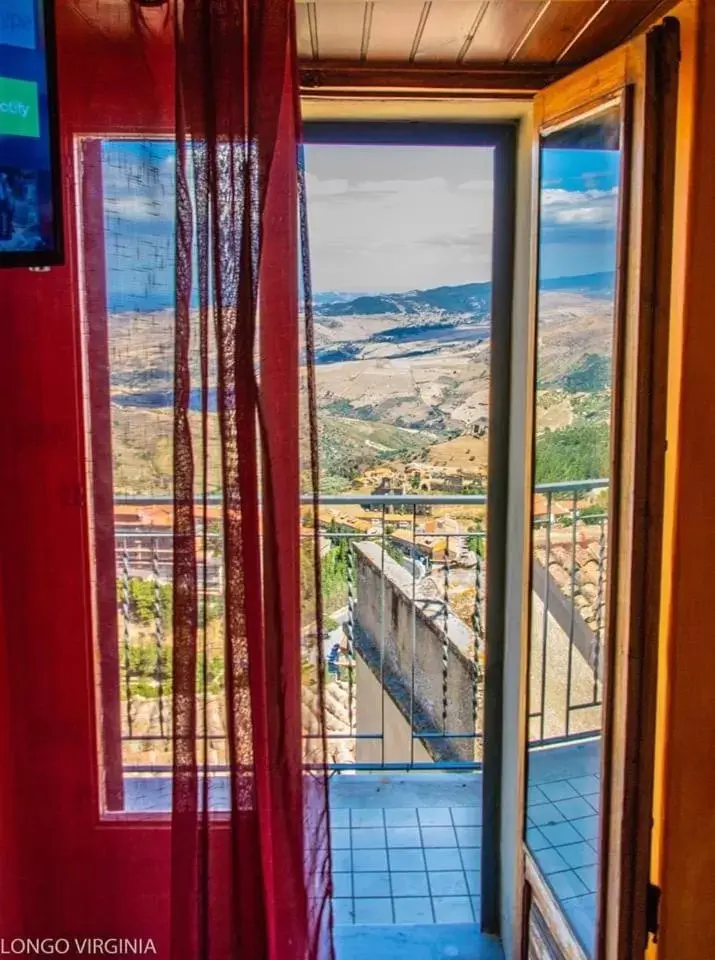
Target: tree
(476,543)
(142,600)
(573,453)
(591,375)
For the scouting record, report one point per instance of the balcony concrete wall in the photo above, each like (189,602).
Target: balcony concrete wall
(369,718)
(408,637)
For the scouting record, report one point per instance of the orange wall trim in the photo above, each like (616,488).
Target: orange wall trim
(684,803)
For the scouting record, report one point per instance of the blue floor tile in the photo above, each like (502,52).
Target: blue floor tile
(367,818)
(373,910)
(443,859)
(340,839)
(474,882)
(589,877)
(559,834)
(371,884)
(469,836)
(435,817)
(551,861)
(441,836)
(369,860)
(342,885)
(587,827)
(409,884)
(574,808)
(339,818)
(586,786)
(581,914)
(413,910)
(579,854)
(543,813)
(401,817)
(447,883)
(453,909)
(403,837)
(566,884)
(407,859)
(343,911)
(368,838)
(558,790)
(341,860)
(466,816)
(535,839)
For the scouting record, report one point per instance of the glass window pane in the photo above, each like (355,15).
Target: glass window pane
(578,241)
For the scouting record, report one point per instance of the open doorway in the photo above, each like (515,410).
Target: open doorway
(401,242)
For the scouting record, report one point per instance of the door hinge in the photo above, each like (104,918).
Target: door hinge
(652,910)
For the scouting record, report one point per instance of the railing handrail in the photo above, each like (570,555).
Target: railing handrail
(381,499)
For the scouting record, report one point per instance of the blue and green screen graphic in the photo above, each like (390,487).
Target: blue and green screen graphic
(27,214)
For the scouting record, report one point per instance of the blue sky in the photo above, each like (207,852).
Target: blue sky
(382,219)
(579,208)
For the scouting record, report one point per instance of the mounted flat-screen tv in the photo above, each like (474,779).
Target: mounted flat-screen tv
(30,202)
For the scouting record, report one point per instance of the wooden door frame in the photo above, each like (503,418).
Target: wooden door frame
(645,72)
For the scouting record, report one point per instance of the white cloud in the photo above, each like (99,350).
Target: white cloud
(399,234)
(324,188)
(141,207)
(476,186)
(585,208)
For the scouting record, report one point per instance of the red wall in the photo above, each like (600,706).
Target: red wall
(77,875)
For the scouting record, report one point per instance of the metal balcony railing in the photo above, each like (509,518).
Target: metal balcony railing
(405,587)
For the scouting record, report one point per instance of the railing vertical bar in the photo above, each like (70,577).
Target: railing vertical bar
(350,635)
(545,625)
(445,639)
(158,631)
(600,605)
(477,630)
(125,634)
(414,634)
(382,634)
(572,614)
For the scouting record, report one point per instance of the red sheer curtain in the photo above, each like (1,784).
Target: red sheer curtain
(9,905)
(239,348)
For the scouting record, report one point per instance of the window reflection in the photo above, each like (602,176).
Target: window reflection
(579,202)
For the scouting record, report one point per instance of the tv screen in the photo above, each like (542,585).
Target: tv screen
(30,216)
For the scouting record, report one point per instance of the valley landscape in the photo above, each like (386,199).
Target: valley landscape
(402,380)
(403,407)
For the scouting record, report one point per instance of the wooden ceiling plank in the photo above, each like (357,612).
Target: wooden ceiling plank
(367,29)
(588,25)
(614,24)
(394,25)
(551,34)
(426,10)
(313,25)
(530,30)
(502,25)
(340,29)
(304,38)
(446,30)
(478,17)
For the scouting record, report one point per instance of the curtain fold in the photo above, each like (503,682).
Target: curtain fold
(243,410)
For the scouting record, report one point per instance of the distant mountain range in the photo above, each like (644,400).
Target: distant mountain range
(468,300)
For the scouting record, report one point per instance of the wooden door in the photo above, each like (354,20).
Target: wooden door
(603,175)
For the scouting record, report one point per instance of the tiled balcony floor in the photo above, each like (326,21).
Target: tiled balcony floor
(406,850)
(562,828)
